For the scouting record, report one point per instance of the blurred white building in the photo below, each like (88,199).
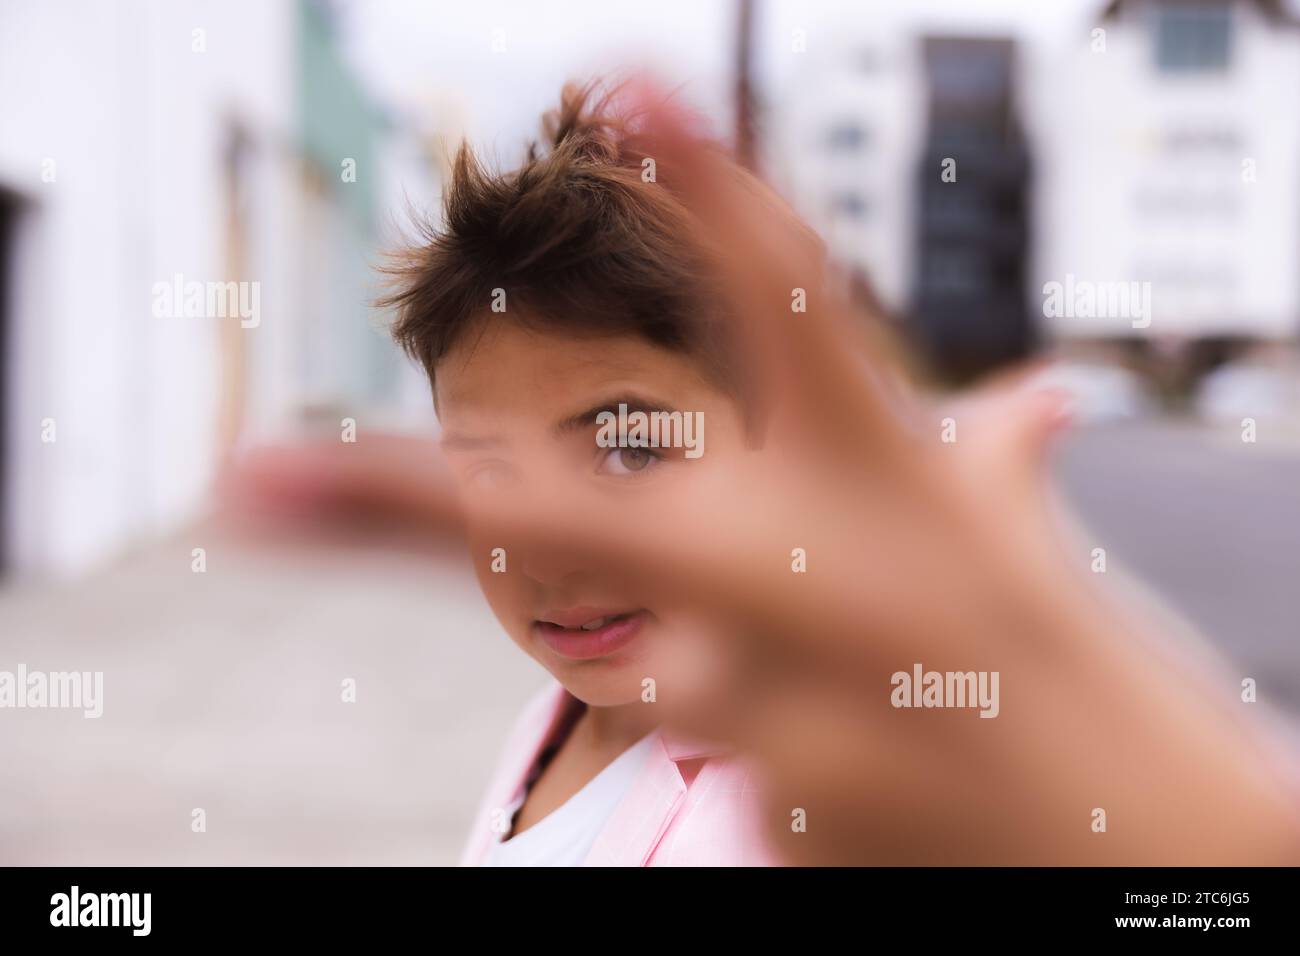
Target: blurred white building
(844,148)
(1164,148)
(1169,145)
(145,141)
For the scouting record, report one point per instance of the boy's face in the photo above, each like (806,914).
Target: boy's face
(518,410)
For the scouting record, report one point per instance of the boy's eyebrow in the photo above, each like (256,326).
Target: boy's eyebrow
(634,403)
(462,442)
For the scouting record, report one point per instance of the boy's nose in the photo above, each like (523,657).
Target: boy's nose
(552,570)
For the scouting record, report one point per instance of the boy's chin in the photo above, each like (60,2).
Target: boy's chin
(620,685)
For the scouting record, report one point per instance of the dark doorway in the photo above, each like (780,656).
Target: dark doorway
(970,309)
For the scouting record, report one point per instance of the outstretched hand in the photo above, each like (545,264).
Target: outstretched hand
(866,546)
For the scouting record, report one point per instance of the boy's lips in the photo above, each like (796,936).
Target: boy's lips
(586,633)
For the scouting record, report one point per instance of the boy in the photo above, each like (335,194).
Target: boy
(917,550)
(558,303)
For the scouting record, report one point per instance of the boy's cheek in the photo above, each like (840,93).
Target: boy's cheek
(499,582)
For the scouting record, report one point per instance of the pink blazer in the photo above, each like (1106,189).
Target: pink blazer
(703,814)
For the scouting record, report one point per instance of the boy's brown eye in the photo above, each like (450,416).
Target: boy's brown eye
(634,459)
(627,461)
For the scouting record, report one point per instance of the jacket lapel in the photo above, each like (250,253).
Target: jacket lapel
(656,796)
(640,821)
(536,728)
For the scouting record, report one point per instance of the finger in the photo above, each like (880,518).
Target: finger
(730,559)
(402,482)
(769,261)
(386,478)
(1014,420)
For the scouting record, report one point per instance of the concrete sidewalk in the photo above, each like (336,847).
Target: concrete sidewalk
(223,691)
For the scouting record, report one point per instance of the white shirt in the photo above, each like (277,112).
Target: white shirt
(565,836)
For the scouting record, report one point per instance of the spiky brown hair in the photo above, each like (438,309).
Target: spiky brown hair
(577,238)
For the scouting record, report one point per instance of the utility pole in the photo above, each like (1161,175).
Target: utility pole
(746,150)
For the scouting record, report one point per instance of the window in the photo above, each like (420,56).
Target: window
(1192,37)
(845,137)
(849,206)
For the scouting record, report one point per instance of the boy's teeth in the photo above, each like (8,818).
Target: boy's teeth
(592,625)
